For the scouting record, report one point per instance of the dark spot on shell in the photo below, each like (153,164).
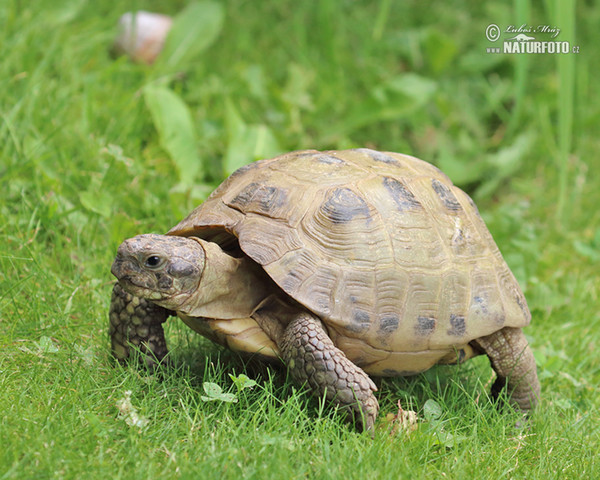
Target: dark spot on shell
(343,205)
(323,304)
(360,322)
(425,325)
(482,308)
(378,156)
(243,198)
(458,357)
(472,203)
(388,324)
(259,198)
(329,160)
(445,195)
(245,168)
(482,304)
(291,282)
(403,198)
(522,305)
(390,372)
(457,325)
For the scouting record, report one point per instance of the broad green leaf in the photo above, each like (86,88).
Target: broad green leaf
(176,132)
(233,121)
(215,392)
(212,389)
(194,29)
(296,92)
(505,162)
(542,296)
(183,197)
(97,201)
(415,87)
(509,159)
(589,249)
(60,13)
(563,403)
(246,143)
(228,397)
(462,172)
(121,226)
(432,410)
(46,345)
(242,381)
(256,81)
(447,439)
(440,50)
(395,99)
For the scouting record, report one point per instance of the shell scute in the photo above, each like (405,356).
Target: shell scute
(402,197)
(445,195)
(262,199)
(342,205)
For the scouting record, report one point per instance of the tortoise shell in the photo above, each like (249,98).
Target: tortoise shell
(393,258)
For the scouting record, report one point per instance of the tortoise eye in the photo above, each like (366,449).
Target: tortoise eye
(152,261)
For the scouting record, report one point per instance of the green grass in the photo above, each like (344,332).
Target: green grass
(82,166)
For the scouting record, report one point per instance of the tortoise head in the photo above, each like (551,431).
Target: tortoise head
(161,268)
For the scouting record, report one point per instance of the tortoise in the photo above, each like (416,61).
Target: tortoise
(343,265)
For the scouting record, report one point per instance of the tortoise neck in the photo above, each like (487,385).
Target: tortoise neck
(230,287)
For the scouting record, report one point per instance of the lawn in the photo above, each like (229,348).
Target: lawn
(95,148)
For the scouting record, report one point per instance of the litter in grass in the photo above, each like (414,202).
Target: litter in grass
(142,35)
(433,411)
(129,413)
(46,345)
(405,421)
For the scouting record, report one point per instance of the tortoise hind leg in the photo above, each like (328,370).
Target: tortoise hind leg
(136,322)
(512,359)
(312,357)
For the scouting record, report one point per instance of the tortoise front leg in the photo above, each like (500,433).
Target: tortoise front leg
(512,359)
(312,357)
(136,322)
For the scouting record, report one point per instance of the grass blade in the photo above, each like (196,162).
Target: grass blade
(173,121)
(565,16)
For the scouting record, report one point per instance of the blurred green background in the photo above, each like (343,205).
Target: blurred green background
(95,148)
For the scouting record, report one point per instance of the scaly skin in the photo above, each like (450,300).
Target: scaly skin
(136,322)
(312,357)
(513,361)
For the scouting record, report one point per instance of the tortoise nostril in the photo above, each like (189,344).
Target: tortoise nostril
(164,282)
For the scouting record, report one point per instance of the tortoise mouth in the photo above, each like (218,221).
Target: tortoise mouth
(140,287)
(117,267)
